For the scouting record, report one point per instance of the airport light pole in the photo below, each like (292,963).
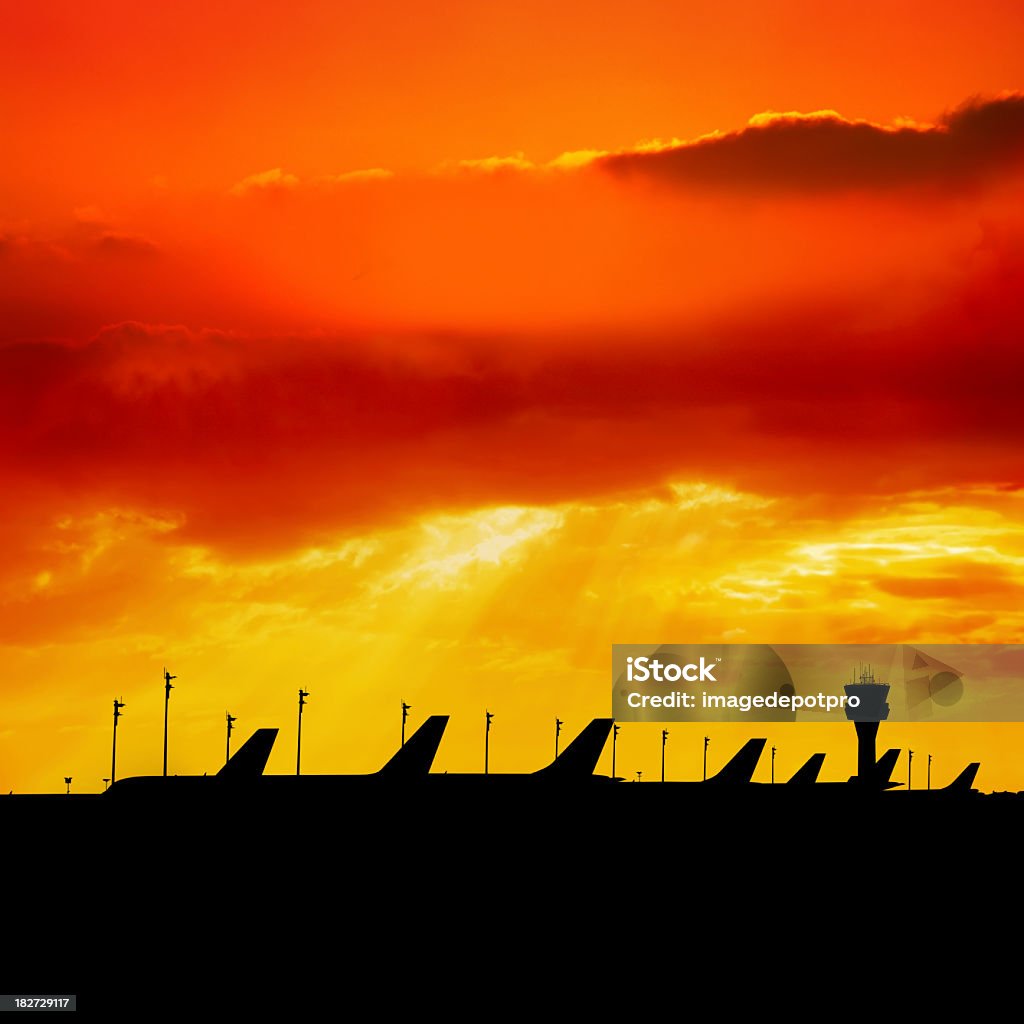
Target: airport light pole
(639,776)
(487,742)
(231,724)
(615,740)
(929,771)
(67,780)
(707,740)
(303,694)
(773,766)
(118,704)
(910,768)
(558,731)
(664,740)
(406,708)
(167,700)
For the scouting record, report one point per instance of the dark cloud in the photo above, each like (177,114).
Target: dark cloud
(827,153)
(269,442)
(120,244)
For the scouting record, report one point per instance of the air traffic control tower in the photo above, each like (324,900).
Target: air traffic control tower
(873,708)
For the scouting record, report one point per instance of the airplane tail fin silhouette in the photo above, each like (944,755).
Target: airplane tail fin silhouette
(579,759)
(416,757)
(807,774)
(964,782)
(882,773)
(741,767)
(884,767)
(251,757)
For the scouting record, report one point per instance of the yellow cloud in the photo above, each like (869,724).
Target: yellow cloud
(490,164)
(275,178)
(576,158)
(354,177)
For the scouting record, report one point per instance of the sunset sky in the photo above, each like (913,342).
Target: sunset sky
(423,351)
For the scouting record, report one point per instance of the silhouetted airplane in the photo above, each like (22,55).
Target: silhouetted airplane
(574,765)
(736,772)
(961,786)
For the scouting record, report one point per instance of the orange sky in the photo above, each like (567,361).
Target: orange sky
(424,351)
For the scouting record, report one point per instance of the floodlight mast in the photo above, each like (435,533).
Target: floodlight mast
(231,719)
(118,704)
(303,694)
(167,700)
